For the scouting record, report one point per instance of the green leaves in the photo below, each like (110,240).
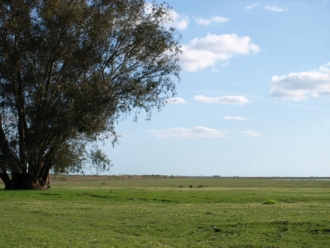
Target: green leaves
(70,69)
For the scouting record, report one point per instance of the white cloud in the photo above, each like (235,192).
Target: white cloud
(201,53)
(251,7)
(231,100)
(178,21)
(236,118)
(176,100)
(250,133)
(298,86)
(193,132)
(214,19)
(271,8)
(274,9)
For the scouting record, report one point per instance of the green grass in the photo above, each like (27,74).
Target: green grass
(169,213)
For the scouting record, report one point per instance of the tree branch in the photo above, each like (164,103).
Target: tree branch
(5,149)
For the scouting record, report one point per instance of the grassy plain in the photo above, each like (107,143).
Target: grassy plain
(187,212)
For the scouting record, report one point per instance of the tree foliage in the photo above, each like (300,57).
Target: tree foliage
(69,69)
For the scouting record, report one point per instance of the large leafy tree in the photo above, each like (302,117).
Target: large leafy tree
(69,69)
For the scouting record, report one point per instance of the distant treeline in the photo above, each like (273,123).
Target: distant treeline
(73,178)
(56,178)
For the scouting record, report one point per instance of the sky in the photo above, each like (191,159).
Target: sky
(253,99)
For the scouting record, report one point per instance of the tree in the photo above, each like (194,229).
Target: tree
(69,70)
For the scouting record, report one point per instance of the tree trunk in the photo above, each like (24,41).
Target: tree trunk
(27,181)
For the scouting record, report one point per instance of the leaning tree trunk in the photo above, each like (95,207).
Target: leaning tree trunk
(27,181)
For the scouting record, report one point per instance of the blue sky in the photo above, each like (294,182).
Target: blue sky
(253,98)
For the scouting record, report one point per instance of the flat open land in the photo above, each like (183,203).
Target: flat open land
(173,212)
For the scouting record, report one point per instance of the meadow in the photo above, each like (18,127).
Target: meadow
(172,212)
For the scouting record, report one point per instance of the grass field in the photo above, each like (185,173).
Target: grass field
(188,212)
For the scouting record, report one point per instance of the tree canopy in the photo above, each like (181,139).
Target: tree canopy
(69,69)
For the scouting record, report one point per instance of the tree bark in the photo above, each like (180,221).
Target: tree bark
(27,182)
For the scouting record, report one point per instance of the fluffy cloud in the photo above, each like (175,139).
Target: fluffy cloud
(179,21)
(250,133)
(235,118)
(201,53)
(176,100)
(274,9)
(214,19)
(298,86)
(193,132)
(231,100)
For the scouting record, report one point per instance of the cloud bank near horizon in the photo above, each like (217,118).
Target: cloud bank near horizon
(229,100)
(193,132)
